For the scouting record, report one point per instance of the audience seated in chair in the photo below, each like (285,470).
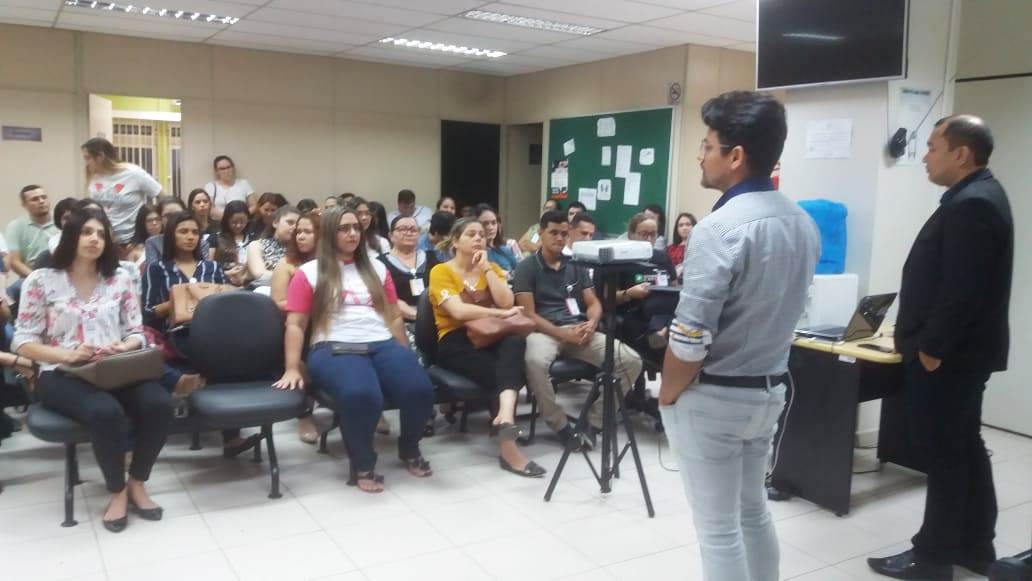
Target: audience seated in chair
(500,251)
(229,248)
(470,287)
(265,253)
(57,324)
(560,298)
(358,349)
(181,263)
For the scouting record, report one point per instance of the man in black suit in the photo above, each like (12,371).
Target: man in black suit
(952,332)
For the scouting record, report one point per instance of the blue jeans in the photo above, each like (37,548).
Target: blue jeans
(721,437)
(358,384)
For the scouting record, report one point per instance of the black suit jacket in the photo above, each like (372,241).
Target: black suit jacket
(955,295)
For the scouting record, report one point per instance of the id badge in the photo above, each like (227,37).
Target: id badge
(91,334)
(535,238)
(416,286)
(662,279)
(573,307)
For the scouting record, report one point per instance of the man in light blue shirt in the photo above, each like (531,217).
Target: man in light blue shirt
(747,269)
(408,207)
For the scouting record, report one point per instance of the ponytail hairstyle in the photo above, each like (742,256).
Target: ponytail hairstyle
(328,286)
(104,154)
(447,246)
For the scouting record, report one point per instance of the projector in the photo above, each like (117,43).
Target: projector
(608,251)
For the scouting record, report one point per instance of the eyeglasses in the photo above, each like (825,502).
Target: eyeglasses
(705,146)
(346,228)
(650,235)
(224,167)
(407,230)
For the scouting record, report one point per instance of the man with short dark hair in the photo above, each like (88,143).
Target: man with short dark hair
(560,298)
(330,202)
(28,235)
(748,267)
(440,228)
(582,227)
(953,332)
(408,207)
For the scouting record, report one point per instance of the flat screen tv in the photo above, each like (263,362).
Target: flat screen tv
(817,42)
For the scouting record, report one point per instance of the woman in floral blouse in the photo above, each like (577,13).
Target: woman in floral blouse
(81,310)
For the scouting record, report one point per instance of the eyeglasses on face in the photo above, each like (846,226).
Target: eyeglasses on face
(348,228)
(706,146)
(407,230)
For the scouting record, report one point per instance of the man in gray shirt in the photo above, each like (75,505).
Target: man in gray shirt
(747,269)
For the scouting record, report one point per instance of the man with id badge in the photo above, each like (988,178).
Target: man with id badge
(560,298)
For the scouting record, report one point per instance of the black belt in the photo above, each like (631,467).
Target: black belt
(748,381)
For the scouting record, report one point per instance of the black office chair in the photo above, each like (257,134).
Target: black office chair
(236,344)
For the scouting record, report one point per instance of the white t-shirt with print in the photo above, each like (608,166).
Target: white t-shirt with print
(122,195)
(356,319)
(221,195)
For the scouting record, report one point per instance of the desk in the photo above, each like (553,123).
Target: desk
(830,380)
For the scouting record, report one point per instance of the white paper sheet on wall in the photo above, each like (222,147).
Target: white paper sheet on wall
(606,127)
(647,156)
(623,160)
(913,106)
(632,189)
(586,196)
(607,156)
(560,178)
(829,139)
(569,147)
(605,190)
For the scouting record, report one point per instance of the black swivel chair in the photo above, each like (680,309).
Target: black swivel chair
(236,344)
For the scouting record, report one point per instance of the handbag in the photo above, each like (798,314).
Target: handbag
(119,370)
(185,297)
(487,331)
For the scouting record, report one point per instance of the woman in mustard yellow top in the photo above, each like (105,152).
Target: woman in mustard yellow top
(466,288)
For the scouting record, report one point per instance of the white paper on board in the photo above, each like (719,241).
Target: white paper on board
(606,127)
(632,189)
(607,156)
(623,160)
(647,156)
(829,139)
(569,147)
(586,196)
(560,178)
(605,190)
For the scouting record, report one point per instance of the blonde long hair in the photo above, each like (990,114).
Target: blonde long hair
(101,149)
(447,246)
(328,286)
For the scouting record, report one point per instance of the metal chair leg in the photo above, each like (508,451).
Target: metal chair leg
(71,475)
(273,462)
(529,438)
(257,457)
(195,441)
(463,423)
(322,442)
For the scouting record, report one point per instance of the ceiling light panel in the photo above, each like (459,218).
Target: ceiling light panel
(441,47)
(535,23)
(147,10)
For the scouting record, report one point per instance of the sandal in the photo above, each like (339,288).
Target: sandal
(506,431)
(418,466)
(248,443)
(531,470)
(308,434)
(371,475)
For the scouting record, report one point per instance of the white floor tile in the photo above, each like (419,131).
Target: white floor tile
(441,489)
(681,564)
(388,539)
(828,537)
(1014,525)
(347,505)
(211,566)
(477,520)
(615,537)
(450,565)
(243,525)
(304,556)
(535,556)
(148,542)
(38,521)
(54,558)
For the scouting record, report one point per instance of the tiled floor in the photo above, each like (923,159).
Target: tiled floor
(470,521)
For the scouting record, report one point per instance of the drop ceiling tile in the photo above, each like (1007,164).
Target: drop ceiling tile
(9,13)
(661,36)
(564,54)
(136,25)
(506,31)
(219,7)
(302,32)
(746,46)
(739,9)
(276,43)
(620,10)
(494,68)
(412,57)
(325,21)
(53,5)
(471,41)
(684,5)
(448,7)
(606,46)
(708,24)
(362,11)
(516,10)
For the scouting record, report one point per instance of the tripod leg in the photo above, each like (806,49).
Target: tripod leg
(581,421)
(633,444)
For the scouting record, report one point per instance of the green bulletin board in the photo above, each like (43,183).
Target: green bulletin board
(580,147)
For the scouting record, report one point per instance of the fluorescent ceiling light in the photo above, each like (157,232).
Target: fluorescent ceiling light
(148,11)
(536,23)
(442,47)
(814,36)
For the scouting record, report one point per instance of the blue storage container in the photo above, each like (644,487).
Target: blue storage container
(831,221)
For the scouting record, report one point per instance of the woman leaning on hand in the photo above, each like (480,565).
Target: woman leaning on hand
(81,310)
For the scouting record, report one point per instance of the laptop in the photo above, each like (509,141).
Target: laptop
(869,314)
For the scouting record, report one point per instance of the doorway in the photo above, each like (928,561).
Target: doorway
(145,131)
(521,204)
(470,155)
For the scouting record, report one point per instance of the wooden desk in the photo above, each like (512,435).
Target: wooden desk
(815,459)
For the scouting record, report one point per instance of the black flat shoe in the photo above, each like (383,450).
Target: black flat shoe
(506,431)
(907,565)
(248,443)
(154,514)
(118,525)
(974,564)
(531,470)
